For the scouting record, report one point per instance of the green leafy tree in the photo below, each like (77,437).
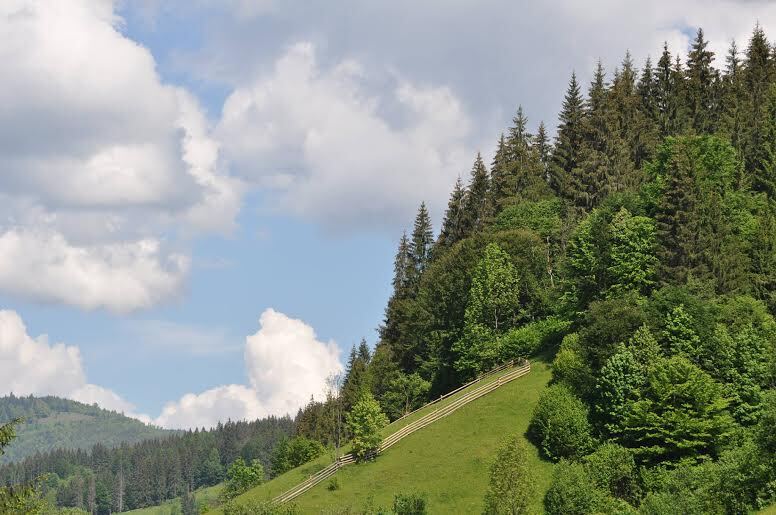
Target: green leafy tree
(240,477)
(405,393)
(560,425)
(572,491)
(612,469)
(19,499)
(634,264)
(681,415)
(493,307)
(364,422)
(619,385)
(512,485)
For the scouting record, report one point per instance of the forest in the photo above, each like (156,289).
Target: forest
(636,250)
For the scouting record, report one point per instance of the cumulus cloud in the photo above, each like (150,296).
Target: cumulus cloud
(322,139)
(33,366)
(286,365)
(107,171)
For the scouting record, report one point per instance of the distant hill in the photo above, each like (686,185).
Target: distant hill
(53,422)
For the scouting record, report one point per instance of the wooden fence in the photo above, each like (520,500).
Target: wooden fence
(523,368)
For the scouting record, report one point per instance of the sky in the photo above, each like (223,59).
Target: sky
(200,201)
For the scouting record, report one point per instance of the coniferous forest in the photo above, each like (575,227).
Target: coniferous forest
(635,249)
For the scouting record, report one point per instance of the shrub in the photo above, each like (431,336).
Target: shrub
(572,491)
(559,425)
(290,453)
(333,485)
(531,338)
(613,469)
(240,477)
(570,368)
(409,504)
(511,485)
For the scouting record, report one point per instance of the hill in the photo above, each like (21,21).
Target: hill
(436,460)
(52,423)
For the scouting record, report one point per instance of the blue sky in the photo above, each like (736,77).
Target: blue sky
(201,200)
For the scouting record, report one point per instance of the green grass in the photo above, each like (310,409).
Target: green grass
(770,510)
(207,495)
(448,461)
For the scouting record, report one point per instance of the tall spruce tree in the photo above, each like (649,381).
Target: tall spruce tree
(586,182)
(668,95)
(453,229)
(422,241)
(476,210)
(702,87)
(732,102)
(757,75)
(498,170)
(568,141)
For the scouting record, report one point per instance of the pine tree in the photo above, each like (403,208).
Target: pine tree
(476,206)
(702,86)
(732,101)
(402,268)
(453,223)
(541,145)
(586,182)
(568,142)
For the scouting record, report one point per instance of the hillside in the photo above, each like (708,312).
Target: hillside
(53,423)
(436,460)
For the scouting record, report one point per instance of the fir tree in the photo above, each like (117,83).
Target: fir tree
(453,224)
(702,86)
(422,241)
(498,172)
(541,145)
(668,94)
(476,206)
(568,142)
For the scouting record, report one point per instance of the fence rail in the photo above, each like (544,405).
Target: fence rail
(325,473)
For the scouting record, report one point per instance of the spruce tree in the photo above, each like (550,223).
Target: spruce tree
(668,94)
(568,141)
(586,182)
(498,170)
(453,223)
(541,145)
(757,75)
(732,100)
(422,241)
(476,206)
(702,86)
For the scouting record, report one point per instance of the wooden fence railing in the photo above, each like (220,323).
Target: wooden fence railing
(325,473)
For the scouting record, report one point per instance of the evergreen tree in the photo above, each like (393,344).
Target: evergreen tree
(476,206)
(669,94)
(568,141)
(732,100)
(702,86)
(453,224)
(422,242)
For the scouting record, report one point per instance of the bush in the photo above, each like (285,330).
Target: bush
(333,485)
(511,485)
(290,453)
(570,368)
(572,491)
(613,469)
(559,425)
(531,338)
(409,504)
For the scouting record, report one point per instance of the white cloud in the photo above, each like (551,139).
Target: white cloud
(286,364)
(322,139)
(32,366)
(108,172)
(185,338)
(121,277)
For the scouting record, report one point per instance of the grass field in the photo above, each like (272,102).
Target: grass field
(203,495)
(447,461)
(770,510)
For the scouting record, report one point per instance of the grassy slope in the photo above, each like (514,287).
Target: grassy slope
(204,495)
(448,461)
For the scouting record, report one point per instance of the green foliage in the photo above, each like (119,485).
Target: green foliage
(409,504)
(633,262)
(572,491)
(681,416)
(544,217)
(560,425)
(291,453)
(612,469)
(512,484)
(364,423)
(240,477)
(531,338)
(571,369)
(260,508)
(619,385)
(405,393)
